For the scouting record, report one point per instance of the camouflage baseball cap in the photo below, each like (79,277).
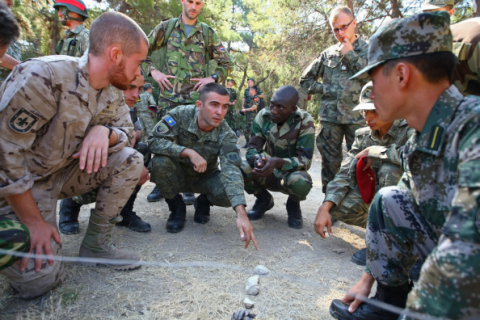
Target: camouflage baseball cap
(435,4)
(419,34)
(365,102)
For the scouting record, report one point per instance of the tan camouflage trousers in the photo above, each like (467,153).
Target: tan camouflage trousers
(329,144)
(116,181)
(398,235)
(148,123)
(296,184)
(353,210)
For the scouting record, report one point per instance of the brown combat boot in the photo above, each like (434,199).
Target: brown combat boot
(97,244)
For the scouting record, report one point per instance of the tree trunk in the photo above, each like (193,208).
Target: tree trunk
(395,9)
(350,6)
(244,77)
(54,33)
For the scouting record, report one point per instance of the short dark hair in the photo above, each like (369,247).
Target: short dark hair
(251,79)
(435,67)
(8,26)
(115,27)
(254,88)
(212,87)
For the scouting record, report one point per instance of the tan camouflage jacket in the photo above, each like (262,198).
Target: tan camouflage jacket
(385,150)
(75,43)
(46,109)
(179,130)
(293,141)
(186,59)
(339,94)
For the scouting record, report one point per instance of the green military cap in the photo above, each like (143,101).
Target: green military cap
(231,80)
(419,34)
(147,86)
(365,102)
(435,4)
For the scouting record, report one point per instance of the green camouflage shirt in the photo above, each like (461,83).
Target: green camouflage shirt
(146,99)
(466,46)
(247,96)
(293,141)
(232,94)
(442,167)
(381,150)
(75,43)
(186,59)
(179,130)
(15,52)
(339,94)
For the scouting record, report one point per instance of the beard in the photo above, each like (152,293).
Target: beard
(118,78)
(189,16)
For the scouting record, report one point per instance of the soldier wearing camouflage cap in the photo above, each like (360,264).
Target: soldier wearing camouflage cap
(466,46)
(73,14)
(433,213)
(339,94)
(380,142)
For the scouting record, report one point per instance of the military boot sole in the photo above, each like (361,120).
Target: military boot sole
(130,264)
(201,219)
(295,224)
(137,227)
(175,228)
(69,228)
(253,216)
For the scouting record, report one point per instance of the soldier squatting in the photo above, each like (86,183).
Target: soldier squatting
(411,175)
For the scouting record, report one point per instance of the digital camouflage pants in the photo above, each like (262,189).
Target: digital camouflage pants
(14,237)
(296,184)
(397,235)
(117,181)
(171,179)
(352,209)
(329,144)
(247,130)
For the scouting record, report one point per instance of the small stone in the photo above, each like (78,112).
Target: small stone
(338,251)
(252,287)
(248,303)
(261,270)
(307,234)
(342,225)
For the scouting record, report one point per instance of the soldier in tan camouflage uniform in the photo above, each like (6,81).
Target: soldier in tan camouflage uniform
(339,94)
(185,69)
(466,46)
(65,129)
(433,213)
(73,14)
(279,154)
(13,56)
(187,145)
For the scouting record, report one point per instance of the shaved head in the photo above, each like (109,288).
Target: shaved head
(287,94)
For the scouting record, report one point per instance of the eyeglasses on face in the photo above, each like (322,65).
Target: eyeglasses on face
(342,28)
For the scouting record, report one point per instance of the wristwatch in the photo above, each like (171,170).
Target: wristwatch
(215,77)
(110,130)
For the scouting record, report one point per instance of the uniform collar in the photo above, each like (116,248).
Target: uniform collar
(431,138)
(285,128)
(74,31)
(392,132)
(197,26)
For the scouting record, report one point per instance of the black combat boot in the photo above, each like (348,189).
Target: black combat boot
(263,203)
(294,212)
(154,196)
(202,209)
(130,218)
(396,296)
(68,220)
(360,258)
(188,198)
(178,212)
(245,146)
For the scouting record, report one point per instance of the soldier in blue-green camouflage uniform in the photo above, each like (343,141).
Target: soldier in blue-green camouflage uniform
(279,154)
(339,95)
(77,38)
(250,112)
(230,117)
(187,145)
(433,213)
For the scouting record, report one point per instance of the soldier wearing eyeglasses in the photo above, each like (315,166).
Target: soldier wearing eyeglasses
(328,75)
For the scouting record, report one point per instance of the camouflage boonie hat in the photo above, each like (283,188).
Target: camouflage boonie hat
(365,102)
(435,4)
(419,34)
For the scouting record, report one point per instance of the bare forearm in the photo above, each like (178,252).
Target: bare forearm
(25,208)
(8,62)
(240,210)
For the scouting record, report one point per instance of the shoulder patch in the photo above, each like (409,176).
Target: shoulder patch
(169,120)
(162,128)
(22,121)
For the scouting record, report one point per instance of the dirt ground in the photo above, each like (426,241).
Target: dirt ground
(203,270)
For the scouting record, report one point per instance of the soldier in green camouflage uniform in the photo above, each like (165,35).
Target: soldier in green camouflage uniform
(185,69)
(14,237)
(433,213)
(246,94)
(230,117)
(250,112)
(381,140)
(144,113)
(284,137)
(187,144)
(77,37)
(339,95)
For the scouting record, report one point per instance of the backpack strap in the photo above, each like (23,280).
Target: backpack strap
(163,51)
